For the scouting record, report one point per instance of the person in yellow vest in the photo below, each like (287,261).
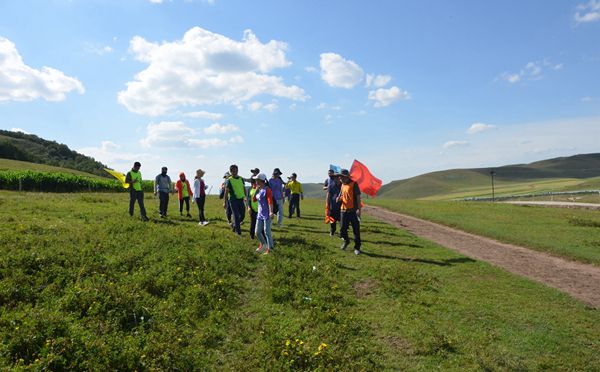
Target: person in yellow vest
(296,194)
(350,210)
(134,179)
(235,193)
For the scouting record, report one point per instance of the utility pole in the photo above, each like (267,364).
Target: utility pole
(492,173)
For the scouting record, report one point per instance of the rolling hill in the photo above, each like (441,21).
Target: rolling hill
(564,173)
(33,149)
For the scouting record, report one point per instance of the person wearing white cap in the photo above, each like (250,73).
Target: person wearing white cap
(276,184)
(264,197)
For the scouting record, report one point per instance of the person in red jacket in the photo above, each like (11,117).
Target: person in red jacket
(183,191)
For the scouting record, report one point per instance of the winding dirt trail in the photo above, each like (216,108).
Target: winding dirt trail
(581,281)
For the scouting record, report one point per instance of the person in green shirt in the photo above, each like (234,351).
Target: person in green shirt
(235,193)
(136,193)
(296,194)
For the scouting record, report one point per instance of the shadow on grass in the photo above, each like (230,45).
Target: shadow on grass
(393,244)
(448,262)
(305,217)
(297,240)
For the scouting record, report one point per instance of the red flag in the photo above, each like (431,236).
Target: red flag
(367,183)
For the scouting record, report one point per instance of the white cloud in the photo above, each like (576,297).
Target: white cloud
(339,72)
(177,134)
(109,153)
(588,12)
(328,119)
(19,82)
(531,71)
(377,81)
(311,69)
(293,107)
(19,130)
(205,68)
(325,106)
(479,127)
(167,134)
(451,144)
(217,128)
(257,106)
(385,97)
(156,1)
(98,49)
(203,115)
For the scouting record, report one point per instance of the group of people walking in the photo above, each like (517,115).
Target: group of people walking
(264,200)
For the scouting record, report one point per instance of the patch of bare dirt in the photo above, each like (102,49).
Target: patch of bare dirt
(364,287)
(581,281)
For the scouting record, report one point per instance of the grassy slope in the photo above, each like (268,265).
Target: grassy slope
(562,232)
(84,286)
(548,175)
(7,164)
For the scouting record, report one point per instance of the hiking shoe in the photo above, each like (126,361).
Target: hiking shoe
(189,215)
(204,223)
(259,249)
(267,251)
(145,219)
(345,244)
(357,252)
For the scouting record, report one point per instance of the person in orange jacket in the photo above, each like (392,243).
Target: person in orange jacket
(183,191)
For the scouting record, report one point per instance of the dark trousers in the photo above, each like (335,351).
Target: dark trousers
(350,218)
(238,210)
(228,212)
(200,203)
(187,204)
(253,215)
(139,197)
(163,196)
(295,204)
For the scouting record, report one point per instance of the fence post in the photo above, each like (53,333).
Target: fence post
(20,184)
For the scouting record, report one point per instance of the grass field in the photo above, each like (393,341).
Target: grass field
(84,286)
(570,233)
(16,165)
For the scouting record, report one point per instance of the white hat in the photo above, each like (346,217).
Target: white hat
(260,176)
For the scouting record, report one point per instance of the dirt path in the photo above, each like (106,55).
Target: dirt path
(580,280)
(557,204)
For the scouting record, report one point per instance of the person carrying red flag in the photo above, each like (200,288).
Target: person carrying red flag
(350,210)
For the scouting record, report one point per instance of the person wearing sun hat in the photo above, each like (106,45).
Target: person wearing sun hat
(200,196)
(276,185)
(350,210)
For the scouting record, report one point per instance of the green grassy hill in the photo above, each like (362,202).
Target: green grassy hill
(566,173)
(31,148)
(313,190)
(17,165)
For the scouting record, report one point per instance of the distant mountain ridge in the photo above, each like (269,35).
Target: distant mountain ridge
(33,149)
(581,166)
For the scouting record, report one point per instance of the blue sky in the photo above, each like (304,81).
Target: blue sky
(406,87)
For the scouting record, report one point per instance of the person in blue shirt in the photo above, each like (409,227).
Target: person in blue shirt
(163,187)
